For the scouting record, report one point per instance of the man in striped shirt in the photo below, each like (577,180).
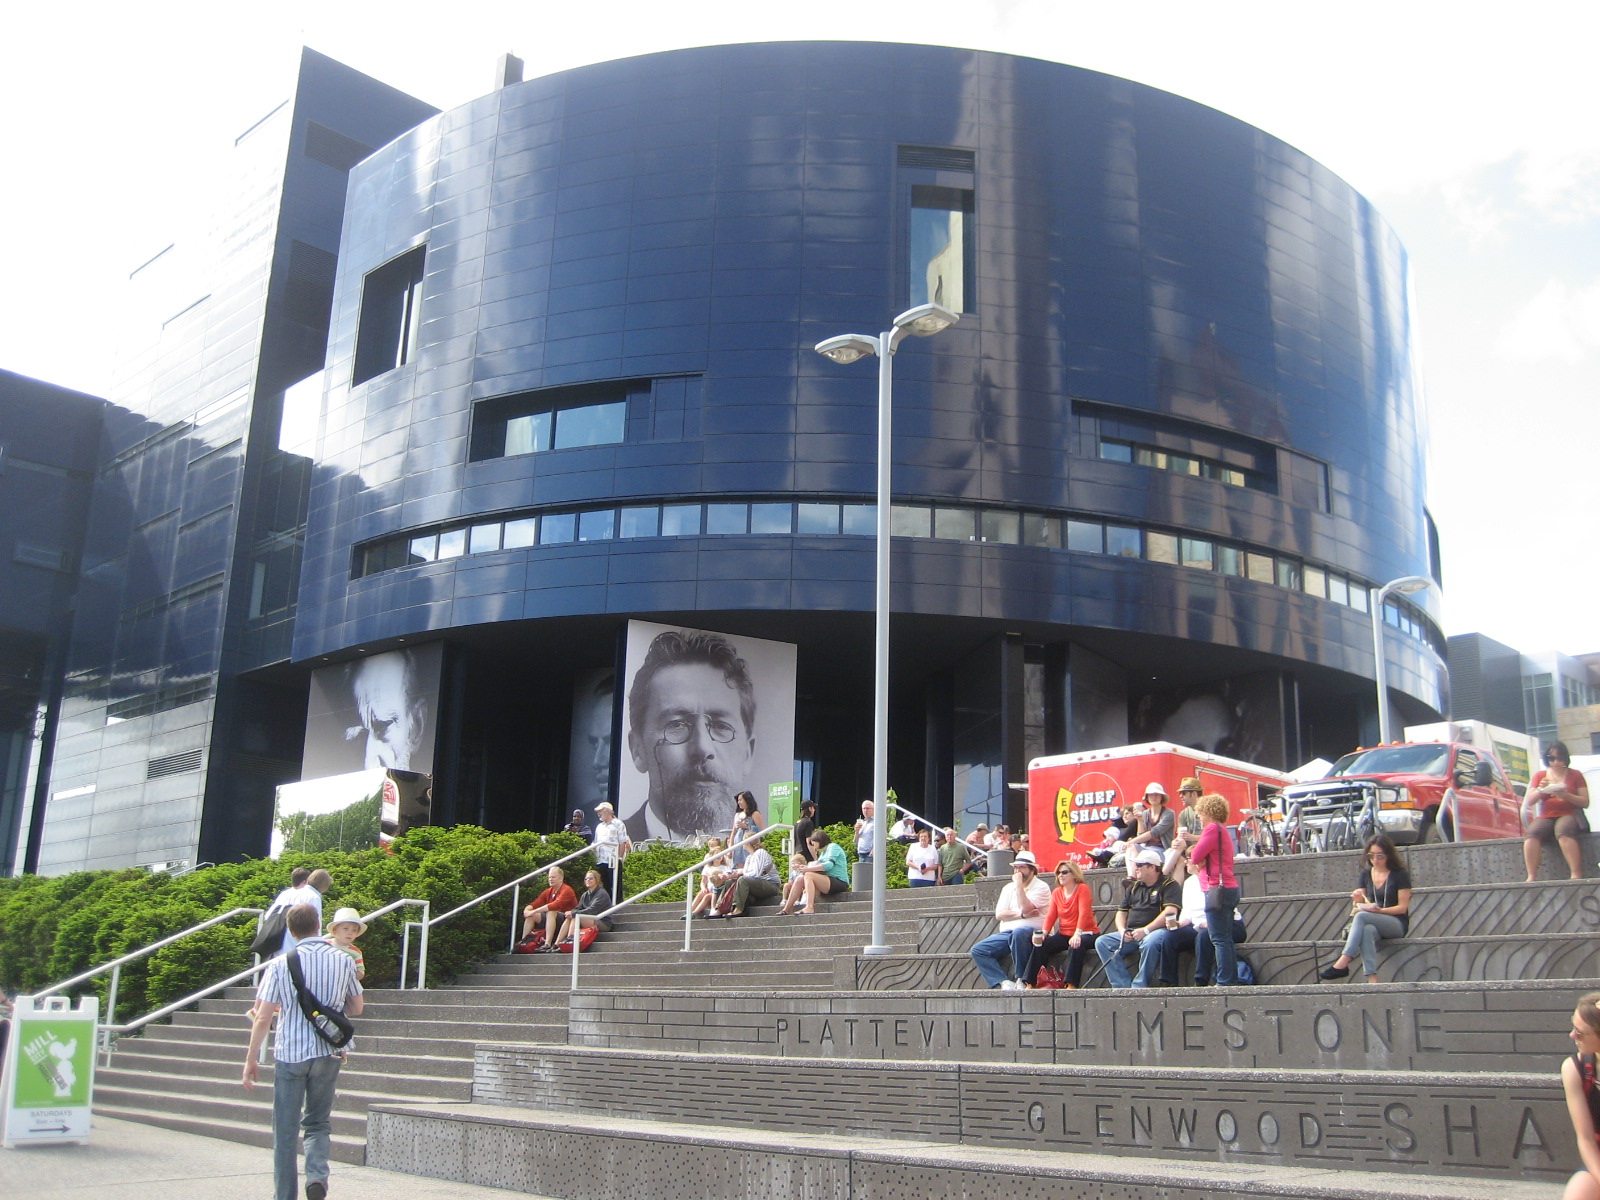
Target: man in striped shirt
(307,1068)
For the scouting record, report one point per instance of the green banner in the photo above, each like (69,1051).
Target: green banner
(783,803)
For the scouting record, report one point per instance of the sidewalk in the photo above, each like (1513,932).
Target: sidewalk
(126,1161)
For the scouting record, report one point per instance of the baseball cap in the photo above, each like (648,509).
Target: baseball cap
(1148,857)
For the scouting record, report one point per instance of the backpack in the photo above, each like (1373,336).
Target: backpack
(1246,973)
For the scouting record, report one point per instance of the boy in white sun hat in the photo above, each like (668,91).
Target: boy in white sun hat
(343,931)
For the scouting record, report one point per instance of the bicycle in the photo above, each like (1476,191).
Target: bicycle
(1258,834)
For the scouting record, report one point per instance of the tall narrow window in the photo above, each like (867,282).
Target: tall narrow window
(941,246)
(391,313)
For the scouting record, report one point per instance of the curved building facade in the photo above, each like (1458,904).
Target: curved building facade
(1141,489)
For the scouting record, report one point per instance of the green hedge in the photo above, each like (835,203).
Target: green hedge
(54,928)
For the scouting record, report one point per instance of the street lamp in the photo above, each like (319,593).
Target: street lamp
(923,321)
(1406,585)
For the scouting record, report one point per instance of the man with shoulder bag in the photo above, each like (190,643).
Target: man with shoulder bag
(313,990)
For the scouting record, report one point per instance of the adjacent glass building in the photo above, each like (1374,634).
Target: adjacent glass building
(553,372)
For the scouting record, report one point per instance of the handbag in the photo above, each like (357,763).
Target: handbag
(318,1015)
(269,932)
(1051,977)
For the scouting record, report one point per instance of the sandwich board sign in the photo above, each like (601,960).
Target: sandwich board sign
(48,1074)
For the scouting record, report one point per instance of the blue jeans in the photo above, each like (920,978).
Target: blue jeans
(301,1087)
(1018,943)
(1365,931)
(1113,950)
(1205,955)
(1220,905)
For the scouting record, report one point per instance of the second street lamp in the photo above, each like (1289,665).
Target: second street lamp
(923,321)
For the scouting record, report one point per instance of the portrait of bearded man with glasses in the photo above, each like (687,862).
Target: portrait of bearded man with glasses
(691,716)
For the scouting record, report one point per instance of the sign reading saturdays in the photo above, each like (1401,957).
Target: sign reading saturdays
(47,1082)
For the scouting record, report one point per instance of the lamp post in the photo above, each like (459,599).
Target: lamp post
(1406,585)
(923,321)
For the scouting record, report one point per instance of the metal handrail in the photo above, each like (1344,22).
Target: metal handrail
(427,923)
(937,828)
(115,965)
(109,1030)
(688,925)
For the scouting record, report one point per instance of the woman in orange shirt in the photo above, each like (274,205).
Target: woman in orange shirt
(1071,907)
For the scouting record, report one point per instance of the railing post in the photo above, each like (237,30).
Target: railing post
(405,953)
(516,918)
(422,954)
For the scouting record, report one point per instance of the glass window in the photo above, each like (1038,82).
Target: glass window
(556,528)
(1040,530)
(1358,597)
(1116,451)
(1003,527)
(1161,548)
(425,548)
(391,315)
(598,525)
(522,532)
(956,524)
(1338,589)
(817,518)
(1288,574)
(941,256)
(1086,537)
(639,522)
(1183,465)
(1314,581)
(1230,560)
(680,520)
(727,518)
(908,520)
(1259,567)
(453,543)
(1124,541)
(1197,554)
(771,518)
(483,539)
(859,520)
(528,434)
(596,425)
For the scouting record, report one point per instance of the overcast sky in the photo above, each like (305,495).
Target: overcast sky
(1478,138)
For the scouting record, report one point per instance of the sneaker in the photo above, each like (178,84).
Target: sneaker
(1335,972)
(316,1189)
(1010,985)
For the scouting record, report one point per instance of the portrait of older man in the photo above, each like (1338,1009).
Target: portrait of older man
(691,718)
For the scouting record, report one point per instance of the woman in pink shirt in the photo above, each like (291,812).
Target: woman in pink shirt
(1212,859)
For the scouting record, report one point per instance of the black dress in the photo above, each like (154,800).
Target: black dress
(804,828)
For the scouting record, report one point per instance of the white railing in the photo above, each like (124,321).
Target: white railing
(110,1030)
(688,898)
(919,819)
(514,886)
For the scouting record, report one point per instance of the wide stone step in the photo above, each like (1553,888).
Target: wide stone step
(341,1148)
(446,1027)
(1565,956)
(625,978)
(155,1054)
(348,1120)
(1436,1027)
(556,1156)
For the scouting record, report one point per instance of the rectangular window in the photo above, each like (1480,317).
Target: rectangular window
(1338,589)
(639,522)
(956,524)
(483,539)
(1040,530)
(391,315)
(907,520)
(1002,527)
(528,434)
(1086,537)
(521,533)
(1314,582)
(1161,548)
(594,425)
(1116,452)
(558,528)
(942,251)
(1358,597)
(771,518)
(597,526)
(1197,554)
(425,548)
(859,520)
(816,518)
(1230,560)
(1259,567)
(680,520)
(1184,447)
(1288,574)
(727,518)
(1124,541)
(453,544)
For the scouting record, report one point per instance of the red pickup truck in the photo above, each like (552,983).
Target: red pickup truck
(1418,792)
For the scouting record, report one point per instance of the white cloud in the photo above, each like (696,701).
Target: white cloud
(1560,324)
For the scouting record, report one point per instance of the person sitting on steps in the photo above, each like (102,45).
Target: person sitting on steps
(1556,809)
(828,874)
(547,907)
(1382,908)
(1020,911)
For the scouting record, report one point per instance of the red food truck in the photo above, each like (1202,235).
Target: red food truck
(1073,797)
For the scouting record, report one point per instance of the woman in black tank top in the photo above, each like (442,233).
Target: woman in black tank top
(1583,1097)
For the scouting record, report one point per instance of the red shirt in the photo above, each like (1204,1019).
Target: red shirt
(1553,807)
(564,900)
(1071,911)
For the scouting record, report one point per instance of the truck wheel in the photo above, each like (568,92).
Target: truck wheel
(1432,832)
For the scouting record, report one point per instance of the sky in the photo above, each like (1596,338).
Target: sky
(1475,134)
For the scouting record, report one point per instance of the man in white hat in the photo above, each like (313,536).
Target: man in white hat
(1141,923)
(1020,910)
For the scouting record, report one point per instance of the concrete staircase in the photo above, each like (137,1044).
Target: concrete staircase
(901,1079)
